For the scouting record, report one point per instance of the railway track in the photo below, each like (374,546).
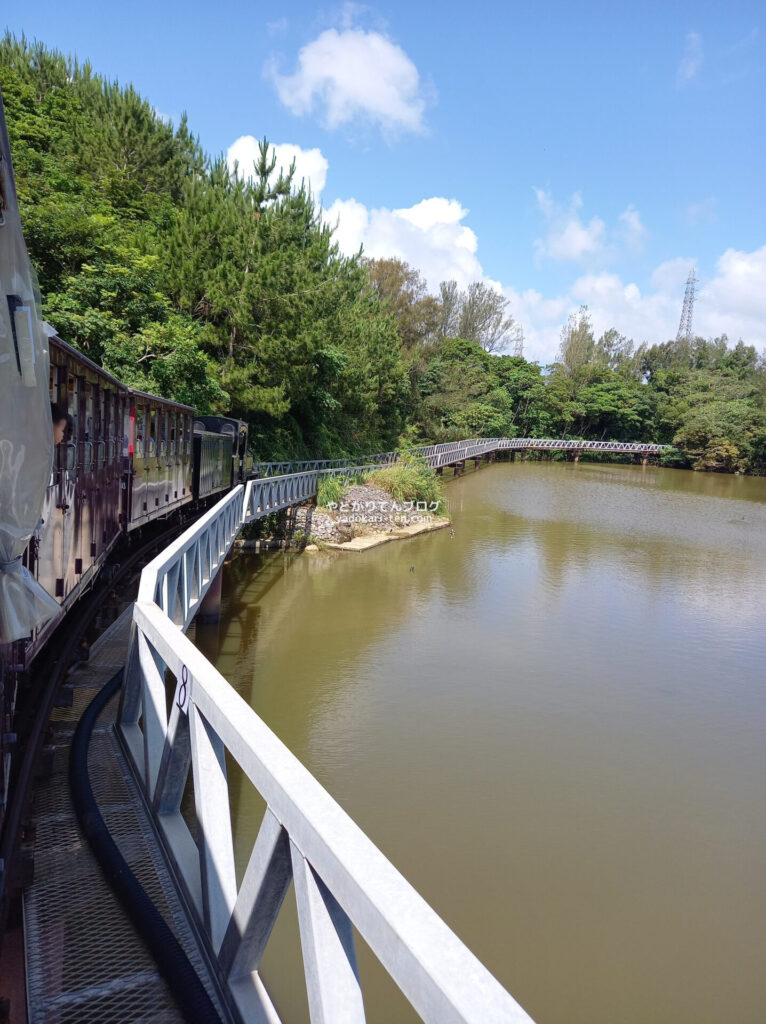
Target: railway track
(38,700)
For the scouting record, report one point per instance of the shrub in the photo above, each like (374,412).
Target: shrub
(331,489)
(410,479)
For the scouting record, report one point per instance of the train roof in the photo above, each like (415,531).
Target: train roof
(158,398)
(60,343)
(54,337)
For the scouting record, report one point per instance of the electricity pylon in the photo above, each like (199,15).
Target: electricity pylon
(517,334)
(685,329)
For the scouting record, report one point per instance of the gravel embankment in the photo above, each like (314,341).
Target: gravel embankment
(364,510)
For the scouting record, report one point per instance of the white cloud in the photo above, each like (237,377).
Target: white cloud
(310,164)
(354,74)
(732,302)
(691,59)
(568,237)
(350,221)
(632,230)
(546,204)
(670,276)
(430,236)
(541,319)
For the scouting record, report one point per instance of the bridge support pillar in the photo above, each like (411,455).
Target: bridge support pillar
(512,456)
(577,456)
(459,468)
(439,470)
(644,460)
(210,608)
(523,456)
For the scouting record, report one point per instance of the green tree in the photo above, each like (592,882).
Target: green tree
(484,317)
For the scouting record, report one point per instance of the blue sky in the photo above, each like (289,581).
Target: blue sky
(570,153)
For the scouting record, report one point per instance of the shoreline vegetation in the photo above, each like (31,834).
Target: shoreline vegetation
(224,288)
(394,502)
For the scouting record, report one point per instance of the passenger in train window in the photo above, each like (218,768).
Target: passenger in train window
(62,423)
(59,423)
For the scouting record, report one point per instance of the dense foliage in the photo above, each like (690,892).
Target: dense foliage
(228,292)
(223,291)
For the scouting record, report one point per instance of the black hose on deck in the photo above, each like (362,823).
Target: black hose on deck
(172,962)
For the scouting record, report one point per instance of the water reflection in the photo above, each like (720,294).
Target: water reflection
(553,726)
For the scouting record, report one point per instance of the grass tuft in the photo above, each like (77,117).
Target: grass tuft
(330,489)
(410,479)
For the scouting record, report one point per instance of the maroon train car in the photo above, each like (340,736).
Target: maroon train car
(126,461)
(158,458)
(80,516)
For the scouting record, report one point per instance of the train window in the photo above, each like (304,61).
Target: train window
(99,426)
(140,431)
(152,432)
(87,433)
(230,431)
(173,418)
(110,412)
(73,406)
(188,435)
(88,390)
(65,455)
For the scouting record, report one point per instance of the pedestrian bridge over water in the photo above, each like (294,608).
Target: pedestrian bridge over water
(450,453)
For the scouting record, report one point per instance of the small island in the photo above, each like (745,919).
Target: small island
(391,503)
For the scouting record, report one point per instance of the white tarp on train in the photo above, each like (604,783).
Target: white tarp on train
(26,430)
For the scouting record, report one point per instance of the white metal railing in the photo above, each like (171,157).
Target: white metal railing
(267,469)
(559,444)
(473,450)
(342,881)
(176,581)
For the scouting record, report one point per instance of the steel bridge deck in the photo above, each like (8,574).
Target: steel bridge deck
(84,961)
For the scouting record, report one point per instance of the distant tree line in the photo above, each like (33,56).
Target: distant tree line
(228,291)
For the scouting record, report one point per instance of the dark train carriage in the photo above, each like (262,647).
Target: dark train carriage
(158,458)
(236,431)
(212,464)
(80,518)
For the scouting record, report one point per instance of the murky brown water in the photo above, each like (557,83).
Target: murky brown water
(554,727)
